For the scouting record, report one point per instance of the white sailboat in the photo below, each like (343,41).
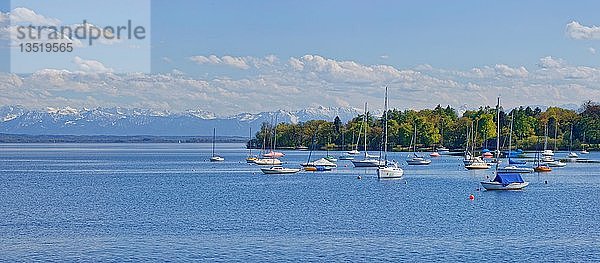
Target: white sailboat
(367,161)
(355,150)
(416,159)
(390,169)
(583,150)
(271,157)
(503,181)
(513,168)
(572,155)
(546,152)
(215,158)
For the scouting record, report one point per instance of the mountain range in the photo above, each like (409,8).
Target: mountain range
(133,121)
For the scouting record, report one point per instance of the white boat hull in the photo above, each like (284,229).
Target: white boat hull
(217,159)
(268,162)
(499,186)
(418,162)
(389,173)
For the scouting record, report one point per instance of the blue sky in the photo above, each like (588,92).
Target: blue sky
(447,34)
(229,57)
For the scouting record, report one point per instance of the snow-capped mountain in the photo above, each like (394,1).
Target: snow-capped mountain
(127,121)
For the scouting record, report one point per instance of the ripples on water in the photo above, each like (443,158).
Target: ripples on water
(156,202)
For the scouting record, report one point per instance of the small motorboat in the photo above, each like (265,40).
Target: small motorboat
(584,152)
(572,155)
(435,154)
(279,170)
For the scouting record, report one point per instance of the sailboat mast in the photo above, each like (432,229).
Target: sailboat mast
(555,133)
(498,130)
(365,124)
(415,139)
(213,144)
(512,114)
(275,134)
(571,138)
(385,106)
(546,136)
(250,137)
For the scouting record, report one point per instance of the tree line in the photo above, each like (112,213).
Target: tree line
(442,126)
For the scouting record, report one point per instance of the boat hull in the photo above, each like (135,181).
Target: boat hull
(217,159)
(279,171)
(418,162)
(367,163)
(500,186)
(389,173)
(268,162)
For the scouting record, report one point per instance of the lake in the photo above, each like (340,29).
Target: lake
(166,202)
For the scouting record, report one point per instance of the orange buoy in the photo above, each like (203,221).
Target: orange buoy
(471,197)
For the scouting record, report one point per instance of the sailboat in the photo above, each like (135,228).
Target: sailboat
(441,150)
(572,155)
(583,150)
(390,169)
(548,155)
(320,164)
(355,150)
(546,152)
(539,166)
(273,153)
(272,160)
(503,181)
(251,158)
(215,158)
(511,168)
(368,160)
(416,159)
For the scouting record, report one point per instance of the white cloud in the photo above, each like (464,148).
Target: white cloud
(550,62)
(506,71)
(237,62)
(592,50)
(575,30)
(302,81)
(91,66)
(24,15)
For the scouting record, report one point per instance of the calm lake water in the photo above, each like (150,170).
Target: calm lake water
(166,202)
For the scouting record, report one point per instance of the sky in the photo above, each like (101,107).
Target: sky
(229,57)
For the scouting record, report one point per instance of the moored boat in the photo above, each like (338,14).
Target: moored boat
(279,170)
(389,170)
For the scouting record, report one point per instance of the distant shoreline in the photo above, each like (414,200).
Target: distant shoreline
(26,138)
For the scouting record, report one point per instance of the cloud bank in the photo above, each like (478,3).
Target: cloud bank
(300,82)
